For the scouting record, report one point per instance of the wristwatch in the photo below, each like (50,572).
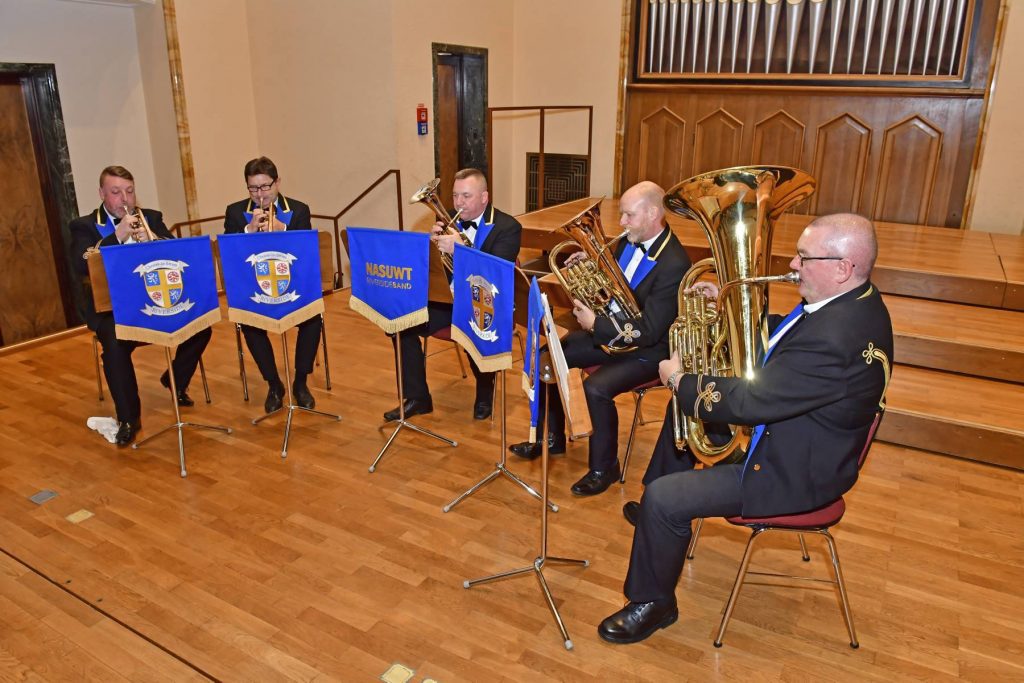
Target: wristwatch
(671,383)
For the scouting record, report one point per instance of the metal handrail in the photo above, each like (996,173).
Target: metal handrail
(335,219)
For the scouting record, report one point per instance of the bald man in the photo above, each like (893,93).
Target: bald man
(653,262)
(813,402)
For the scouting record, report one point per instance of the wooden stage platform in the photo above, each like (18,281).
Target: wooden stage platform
(957,304)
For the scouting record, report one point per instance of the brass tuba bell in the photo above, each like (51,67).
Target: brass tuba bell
(737,209)
(596,279)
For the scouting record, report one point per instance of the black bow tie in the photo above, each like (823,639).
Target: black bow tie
(468,225)
(642,248)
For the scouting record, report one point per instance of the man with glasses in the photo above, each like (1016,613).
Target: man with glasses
(811,405)
(267,210)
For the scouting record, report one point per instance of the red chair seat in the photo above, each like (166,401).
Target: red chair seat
(821,518)
(445,333)
(656,382)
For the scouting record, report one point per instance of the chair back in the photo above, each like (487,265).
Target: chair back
(871,437)
(327,272)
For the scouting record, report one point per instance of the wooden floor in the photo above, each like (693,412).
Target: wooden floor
(254,568)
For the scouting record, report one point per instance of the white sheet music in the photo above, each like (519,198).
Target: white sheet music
(561,368)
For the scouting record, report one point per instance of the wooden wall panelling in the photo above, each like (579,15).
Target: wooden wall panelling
(841,149)
(907,168)
(662,137)
(717,142)
(778,140)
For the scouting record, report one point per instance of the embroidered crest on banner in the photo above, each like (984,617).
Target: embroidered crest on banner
(165,287)
(273,275)
(482,293)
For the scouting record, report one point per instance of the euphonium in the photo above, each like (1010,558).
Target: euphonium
(429,196)
(737,209)
(596,280)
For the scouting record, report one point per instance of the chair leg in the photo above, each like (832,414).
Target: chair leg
(741,574)
(241,363)
(638,398)
(323,339)
(96,359)
(803,548)
(693,538)
(206,385)
(458,354)
(844,601)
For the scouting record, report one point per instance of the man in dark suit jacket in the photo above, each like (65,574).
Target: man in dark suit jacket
(812,404)
(492,232)
(654,263)
(265,210)
(114,223)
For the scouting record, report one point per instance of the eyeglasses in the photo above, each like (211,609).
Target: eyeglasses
(264,188)
(818,258)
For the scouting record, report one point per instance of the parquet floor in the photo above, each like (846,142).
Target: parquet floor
(254,568)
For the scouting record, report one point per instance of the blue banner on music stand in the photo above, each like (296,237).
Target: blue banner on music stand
(532,384)
(483,299)
(161,292)
(272,279)
(390,276)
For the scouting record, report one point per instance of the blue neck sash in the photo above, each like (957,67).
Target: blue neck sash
(106,228)
(482,231)
(646,265)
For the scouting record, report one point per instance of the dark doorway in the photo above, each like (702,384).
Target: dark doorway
(36,295)
(460,111)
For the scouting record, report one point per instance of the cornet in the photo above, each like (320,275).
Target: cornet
(140,217)
(429,196)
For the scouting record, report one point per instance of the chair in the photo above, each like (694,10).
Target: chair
(99,374)
(814,522)
(638,392)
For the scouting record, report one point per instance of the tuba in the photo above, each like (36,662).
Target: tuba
(597,280)
(429,196)
(737,209)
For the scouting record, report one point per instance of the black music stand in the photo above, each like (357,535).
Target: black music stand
(402,422)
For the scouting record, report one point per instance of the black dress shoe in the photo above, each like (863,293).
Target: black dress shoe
(413,406)
(303,398)
(595,482)
(126,432)
(631,511)
(183,398)
(482,410)
(275,394)
(638,620)
(531,450)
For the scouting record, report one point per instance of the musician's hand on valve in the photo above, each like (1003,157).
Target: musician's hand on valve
(438,228)
(584,316)
(446,243)
(258,222)
(668,367)
(708,289)
(126,228)
(575,258)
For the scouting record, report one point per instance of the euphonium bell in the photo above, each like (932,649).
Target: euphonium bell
(596,280)
(737,209)
(429,196)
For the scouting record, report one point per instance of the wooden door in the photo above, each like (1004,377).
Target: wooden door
(447,122)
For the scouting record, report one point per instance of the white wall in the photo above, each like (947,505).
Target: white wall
(99,78)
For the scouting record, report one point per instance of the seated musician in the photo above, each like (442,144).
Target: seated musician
(812,405)
(115,222)
(654,262)
(489,230)
(267,209)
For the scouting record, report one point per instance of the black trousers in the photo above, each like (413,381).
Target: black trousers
(120,371)
(617,374)
(305,349)
(414,367)
(675,495)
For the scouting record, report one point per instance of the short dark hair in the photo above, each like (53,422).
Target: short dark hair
(472,173)
(117,172)
(261,166)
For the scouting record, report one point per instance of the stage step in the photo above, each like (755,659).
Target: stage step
(969,417)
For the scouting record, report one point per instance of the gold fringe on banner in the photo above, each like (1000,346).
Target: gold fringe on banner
(502,361)
(237,315)
(390,326)
(148,336)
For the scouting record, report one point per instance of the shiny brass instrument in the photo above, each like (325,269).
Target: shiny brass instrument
(596,279)
(737,209)
(429,196)
(137,214)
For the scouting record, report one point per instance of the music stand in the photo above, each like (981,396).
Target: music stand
(292,406)
(500,467)
(402,422)
(548,376)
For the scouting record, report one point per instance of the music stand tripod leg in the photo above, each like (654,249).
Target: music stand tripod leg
(538,564)
(500,468)
(402,422)
(178,424)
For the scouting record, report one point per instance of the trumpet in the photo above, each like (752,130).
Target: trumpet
(269,224)
(140,217)
(429,196)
